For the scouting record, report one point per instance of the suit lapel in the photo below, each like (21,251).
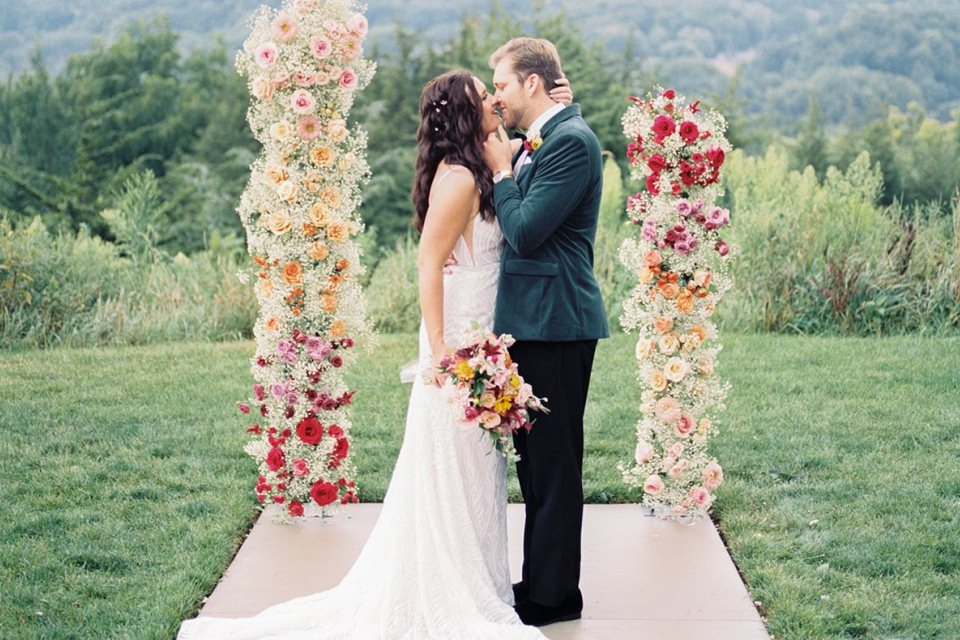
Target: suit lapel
(526,174)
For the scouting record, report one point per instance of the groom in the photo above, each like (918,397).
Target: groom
(547,200)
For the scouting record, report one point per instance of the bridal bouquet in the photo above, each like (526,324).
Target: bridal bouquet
(676,151)
(486,385)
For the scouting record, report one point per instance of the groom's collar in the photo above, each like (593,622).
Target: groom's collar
(572,111)
(545,117)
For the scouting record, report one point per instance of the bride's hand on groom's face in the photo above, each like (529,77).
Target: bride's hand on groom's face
(497,151)
(563,92)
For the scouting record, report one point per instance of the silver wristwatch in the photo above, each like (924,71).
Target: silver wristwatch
(500,175)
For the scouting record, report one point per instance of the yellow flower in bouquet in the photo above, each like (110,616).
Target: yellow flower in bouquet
(463,369)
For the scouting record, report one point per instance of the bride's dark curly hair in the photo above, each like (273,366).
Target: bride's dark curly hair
(451,127)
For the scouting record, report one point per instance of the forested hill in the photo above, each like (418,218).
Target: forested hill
(858,56)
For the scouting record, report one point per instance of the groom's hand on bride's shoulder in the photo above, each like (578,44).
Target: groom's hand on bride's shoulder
(563,92)
(497,151)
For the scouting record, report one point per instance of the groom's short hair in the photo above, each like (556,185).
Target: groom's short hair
(531,56)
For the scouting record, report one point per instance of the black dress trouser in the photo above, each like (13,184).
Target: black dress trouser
(550,466)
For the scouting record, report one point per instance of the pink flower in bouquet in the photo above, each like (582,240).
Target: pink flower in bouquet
(244,407)
(348,79)
(357,25)
(634,151)
(649,230)
(653,485)
(275,459)
(490,419)
(304,7)
(303,78)
(287,350)
(722,248)
(317,348)
(258,392)
(300,467)
(684,208)
(689,131)
(667,410)
(675,450)
(323,493)
(717,217)
(284,27)
(303,102)
(684,425)
(267,55)
(652,184)
(334,30)
(657,163)
(295,508)
(700,496)
(715,157)
(320,47)
(712,476)
(336,362)
(669,94)
(308,127)
(663,127)
(677,469)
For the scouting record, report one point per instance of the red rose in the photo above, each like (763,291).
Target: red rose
(689,132)
(663,126)
(309,430)
(323,493)
(295,508)
(656,163)
(275,459)
(343,446)
(652,184)
(336,361)
(716,157)
(336,430)
(669,94)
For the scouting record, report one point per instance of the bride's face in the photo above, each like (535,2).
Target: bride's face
(490,121)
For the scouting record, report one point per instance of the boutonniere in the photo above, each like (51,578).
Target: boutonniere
(533,141)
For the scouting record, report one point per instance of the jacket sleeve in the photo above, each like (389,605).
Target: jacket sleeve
(563,175)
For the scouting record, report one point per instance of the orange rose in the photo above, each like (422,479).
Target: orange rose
(273,324)
(699,331)
(318,251)
(309,229)
(338,328)
(702,293)
(653,259)
(279,222)
(685,302)
(668,289)
(292,272)
(334,281)
(663,324)
(328,303)
(342,264)
(260,260)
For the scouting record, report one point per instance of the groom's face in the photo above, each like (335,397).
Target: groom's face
(510,94)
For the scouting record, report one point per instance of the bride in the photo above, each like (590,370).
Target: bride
(435,565)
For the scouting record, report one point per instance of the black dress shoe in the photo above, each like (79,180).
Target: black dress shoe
(539,615)
(520,591)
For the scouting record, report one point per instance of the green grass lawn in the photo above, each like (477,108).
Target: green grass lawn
(125,492)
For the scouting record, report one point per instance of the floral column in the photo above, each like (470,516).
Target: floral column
(681,262)
(304,66)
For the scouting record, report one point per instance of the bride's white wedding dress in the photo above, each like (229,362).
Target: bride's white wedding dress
(435,565)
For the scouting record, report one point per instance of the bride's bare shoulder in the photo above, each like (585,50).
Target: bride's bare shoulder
(452,180)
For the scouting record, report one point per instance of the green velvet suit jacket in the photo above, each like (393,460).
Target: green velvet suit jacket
(548,215)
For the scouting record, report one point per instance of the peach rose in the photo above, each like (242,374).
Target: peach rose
(685,302)
(675,450)
(663,324)
(645,275)
(319,215)
(287,191)
(338,130)
(653,485)
(313,181)
(273,324)
(318,251)
(653,259)
(645,348)
(337,232)
(669,290)
(704,426)
(706,366)
(322,156)
(330,196)
(292,272)
(675,370)
(338,328)
(266,288)
(658,382)
(276,175)
(488,399)
(262,89)
(669,343)
(702,278)
(279,222)
(490,419)
(281,131)
(328,303)
(343,264)
(700,496)
(677,469)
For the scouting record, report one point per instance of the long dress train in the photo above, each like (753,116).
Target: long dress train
(435,566)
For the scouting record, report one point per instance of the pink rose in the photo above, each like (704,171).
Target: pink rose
(684,426)
(700,496)
(300,467)
(320,47)
(663,126)
(712,476)
(303,102)
(334,30)
(266,55)
(284,27)
(653,485)
(689,131)
(644,452)
(357,25)
(303,79)
(722,248)
(348,79)
(667,410)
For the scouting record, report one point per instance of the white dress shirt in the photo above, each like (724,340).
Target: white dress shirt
(537,127)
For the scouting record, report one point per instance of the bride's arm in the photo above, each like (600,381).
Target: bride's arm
(451,203)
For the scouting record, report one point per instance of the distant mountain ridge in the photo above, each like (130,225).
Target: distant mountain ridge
(874,53)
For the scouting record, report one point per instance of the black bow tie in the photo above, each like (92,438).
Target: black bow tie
(520,135)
